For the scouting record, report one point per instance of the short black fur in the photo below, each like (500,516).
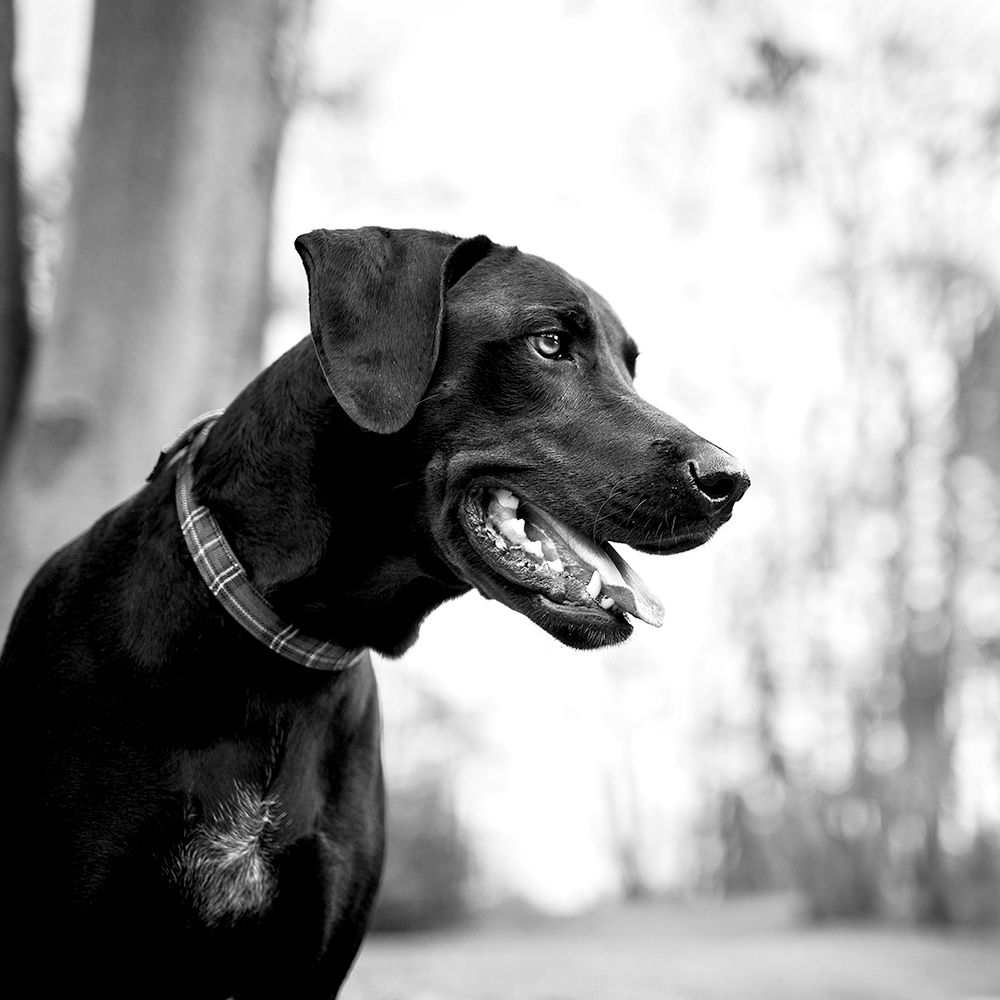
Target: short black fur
(139,721)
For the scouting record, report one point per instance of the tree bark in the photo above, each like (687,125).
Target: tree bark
(161,293)
(15,337)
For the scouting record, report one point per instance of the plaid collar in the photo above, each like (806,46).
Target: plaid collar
(225,576)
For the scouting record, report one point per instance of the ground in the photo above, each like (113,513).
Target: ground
(750,950)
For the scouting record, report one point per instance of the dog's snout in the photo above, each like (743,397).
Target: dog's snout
(719,479)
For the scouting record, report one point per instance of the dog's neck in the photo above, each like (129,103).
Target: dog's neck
(320,512)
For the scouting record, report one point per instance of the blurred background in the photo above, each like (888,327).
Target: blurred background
(793,788)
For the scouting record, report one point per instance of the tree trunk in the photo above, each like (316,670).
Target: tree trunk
(15,336)
(161,293)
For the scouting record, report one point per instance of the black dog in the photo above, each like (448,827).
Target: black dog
(194,790)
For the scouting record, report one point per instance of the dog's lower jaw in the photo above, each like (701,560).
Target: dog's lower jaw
(574,626)
(584,629)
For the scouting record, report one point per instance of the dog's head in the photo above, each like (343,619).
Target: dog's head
(511,383)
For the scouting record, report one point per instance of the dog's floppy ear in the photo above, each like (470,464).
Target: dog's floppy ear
(376,302)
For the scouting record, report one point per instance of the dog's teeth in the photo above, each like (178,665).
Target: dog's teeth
(532,548)
(556,565)
(500,544)
(594,587)
(506,499)
(514,530)
(607,602)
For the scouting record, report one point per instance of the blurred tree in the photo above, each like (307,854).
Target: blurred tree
(745,863)
(161,291)
(628,832)
(752,845)
(14,331)
(978,399)
(886,140)
(429,858)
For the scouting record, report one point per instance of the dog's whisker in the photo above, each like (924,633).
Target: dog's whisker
(430,397)
(598,516)
(635,509)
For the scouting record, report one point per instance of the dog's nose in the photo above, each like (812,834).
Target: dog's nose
(719,479)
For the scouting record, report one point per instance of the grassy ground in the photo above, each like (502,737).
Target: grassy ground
(748,950)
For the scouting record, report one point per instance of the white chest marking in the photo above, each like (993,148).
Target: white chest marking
(224,866)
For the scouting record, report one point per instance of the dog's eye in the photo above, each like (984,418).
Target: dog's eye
(549,345)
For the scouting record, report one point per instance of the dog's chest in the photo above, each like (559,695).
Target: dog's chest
(224,867)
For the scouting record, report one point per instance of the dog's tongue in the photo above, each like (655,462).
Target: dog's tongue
(618,579)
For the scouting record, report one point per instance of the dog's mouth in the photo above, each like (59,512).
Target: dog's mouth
(567,571)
